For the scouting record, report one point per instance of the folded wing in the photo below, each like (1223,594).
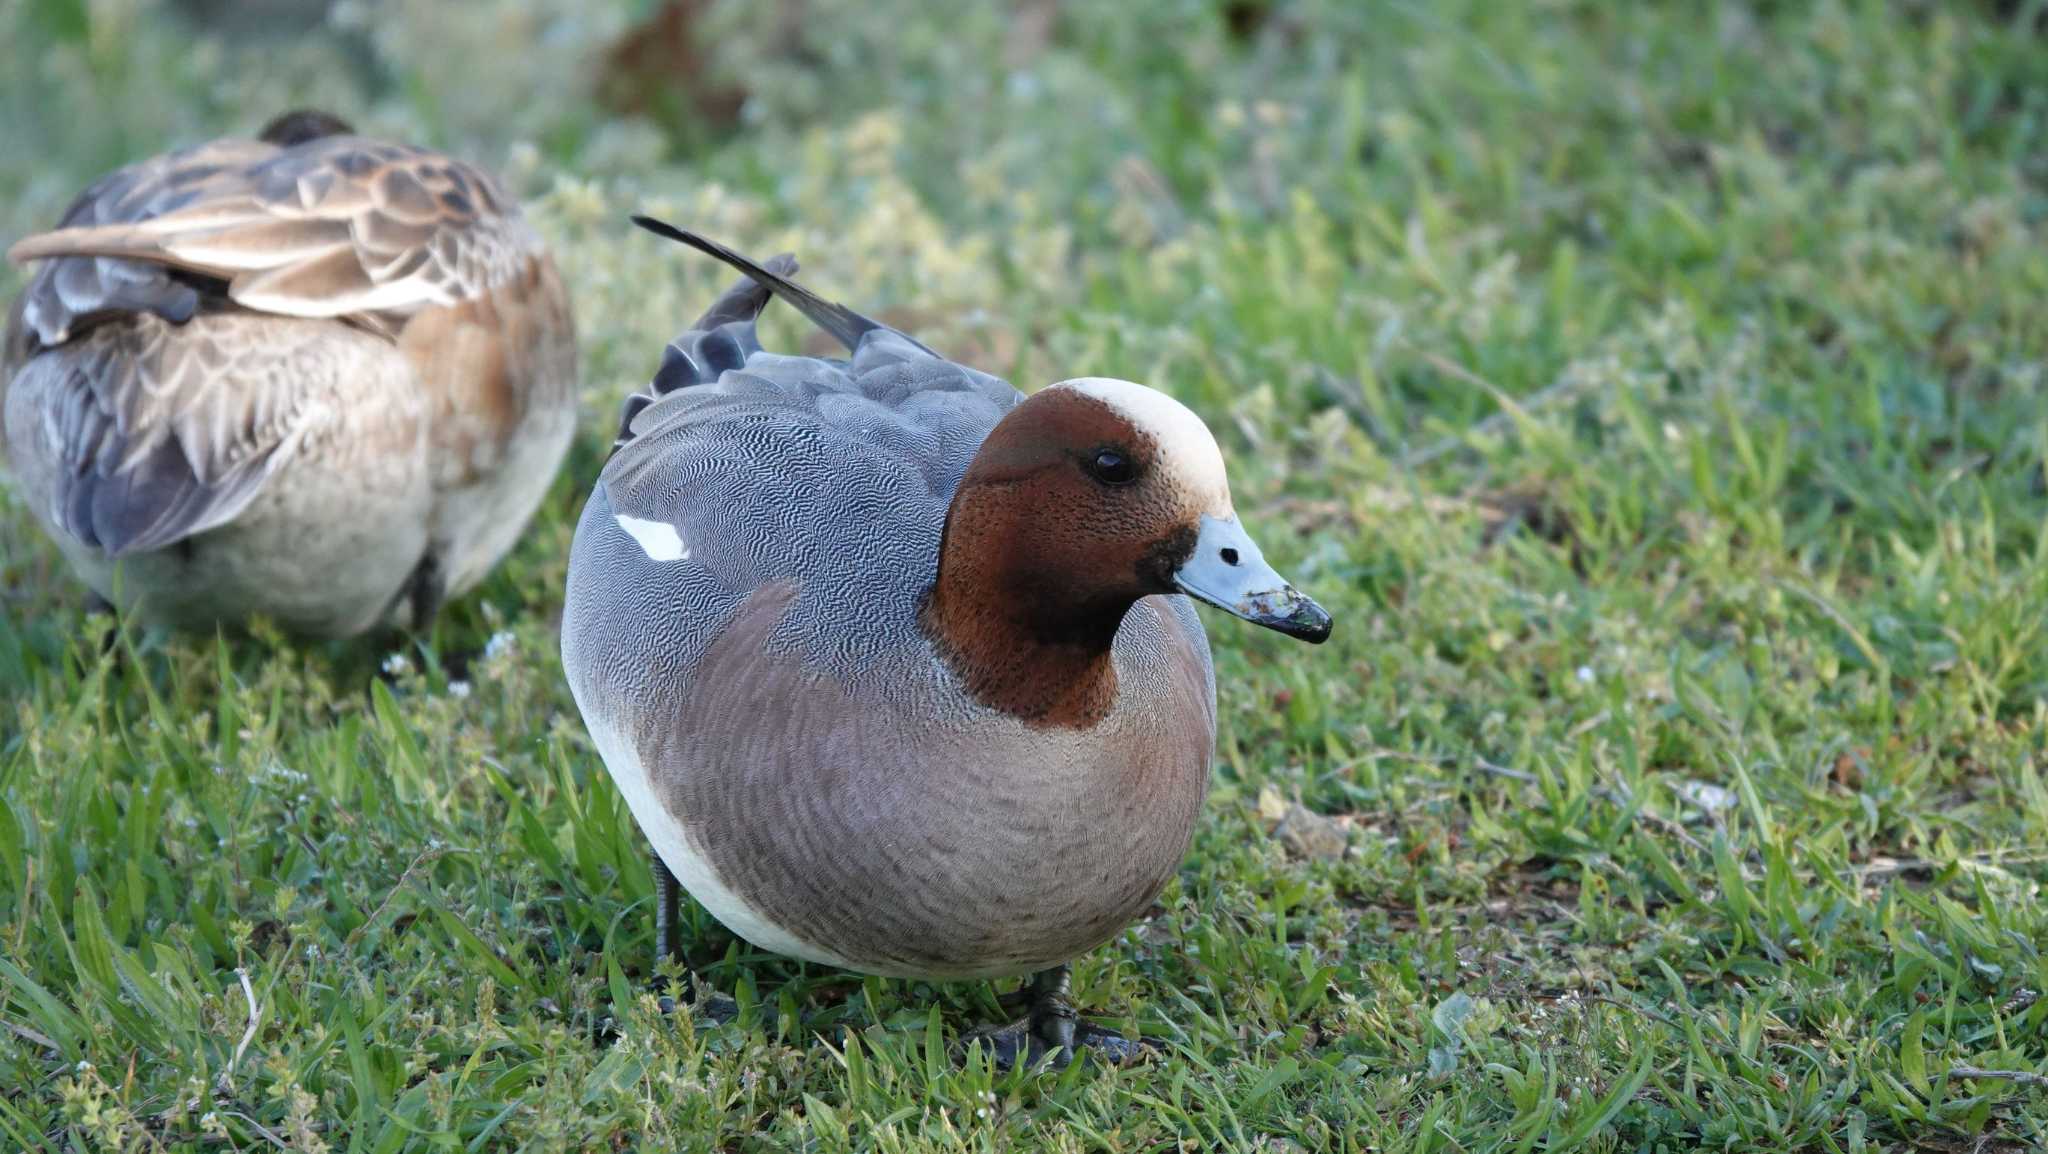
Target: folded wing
(160,413)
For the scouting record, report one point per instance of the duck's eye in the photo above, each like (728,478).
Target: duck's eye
(1111,467)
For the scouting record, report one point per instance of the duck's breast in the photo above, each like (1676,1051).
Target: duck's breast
(899,828)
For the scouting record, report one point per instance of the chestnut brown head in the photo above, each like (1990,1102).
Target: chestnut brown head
(1095,492)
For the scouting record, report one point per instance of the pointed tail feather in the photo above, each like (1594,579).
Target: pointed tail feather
(845,325)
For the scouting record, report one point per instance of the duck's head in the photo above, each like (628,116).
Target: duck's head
(296,127)
(1095,492)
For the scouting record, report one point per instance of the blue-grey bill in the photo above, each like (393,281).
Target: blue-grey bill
(1228,571)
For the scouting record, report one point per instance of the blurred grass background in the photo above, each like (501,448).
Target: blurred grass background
(1653,391)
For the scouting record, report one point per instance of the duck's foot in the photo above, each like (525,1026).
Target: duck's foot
(1051,1030)
(426,594)
(705,1006)
(702,1002)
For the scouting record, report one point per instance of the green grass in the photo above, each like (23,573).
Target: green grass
(1656,397)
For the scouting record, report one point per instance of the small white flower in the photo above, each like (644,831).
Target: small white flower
(396,665)
(85,1066)
(1704,794)
(458,690)
(1585,675)
(500,643)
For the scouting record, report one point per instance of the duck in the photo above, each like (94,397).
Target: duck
(896,667)
(312,376)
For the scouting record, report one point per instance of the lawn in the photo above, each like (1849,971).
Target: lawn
(1654,393)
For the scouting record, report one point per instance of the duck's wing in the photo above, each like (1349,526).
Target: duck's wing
(743,468)
(126,443)
(342,226)
(164,427)
(65,296)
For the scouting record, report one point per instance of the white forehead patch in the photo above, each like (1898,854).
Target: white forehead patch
(1186,447)
(658,539)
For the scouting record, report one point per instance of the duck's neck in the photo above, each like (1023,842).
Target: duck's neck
(1024,642)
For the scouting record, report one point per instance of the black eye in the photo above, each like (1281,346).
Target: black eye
(1111,467)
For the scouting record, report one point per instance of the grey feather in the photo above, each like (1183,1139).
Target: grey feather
(791,468)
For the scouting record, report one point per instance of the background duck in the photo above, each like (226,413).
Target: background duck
(313,376)
(891,663)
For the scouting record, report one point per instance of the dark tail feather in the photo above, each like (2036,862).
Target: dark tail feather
(745,300)
(847,326)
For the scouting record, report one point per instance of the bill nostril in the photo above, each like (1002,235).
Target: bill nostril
(1230,556)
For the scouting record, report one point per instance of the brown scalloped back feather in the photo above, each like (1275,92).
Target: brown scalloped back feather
(313,226)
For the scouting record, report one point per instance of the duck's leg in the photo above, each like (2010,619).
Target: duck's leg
(1051,1026)
(111,639)
(425,590)
(668,931)
(668,946)
(668,935)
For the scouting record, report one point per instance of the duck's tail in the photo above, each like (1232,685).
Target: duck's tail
(721,340)
(845,325)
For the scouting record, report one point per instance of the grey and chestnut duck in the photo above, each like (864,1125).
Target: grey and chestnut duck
(313,376)
(895,666)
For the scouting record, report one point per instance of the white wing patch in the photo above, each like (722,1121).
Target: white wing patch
(658,539)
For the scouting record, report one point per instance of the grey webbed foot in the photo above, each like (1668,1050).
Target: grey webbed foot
(708,1006)
(1051,1028)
